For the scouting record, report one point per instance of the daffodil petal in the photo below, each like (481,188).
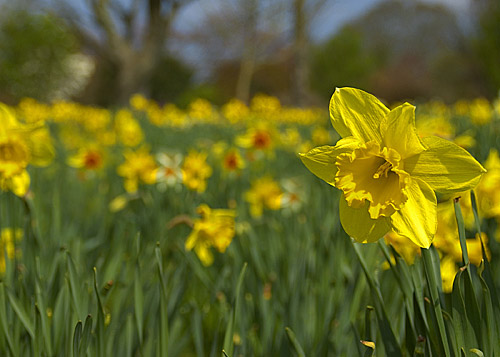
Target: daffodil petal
(21,183)
(445,166)
(321,160)
(417,219)
(354,112)
(358,224)
(399,132)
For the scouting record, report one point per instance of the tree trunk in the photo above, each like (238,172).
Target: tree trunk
(248,60)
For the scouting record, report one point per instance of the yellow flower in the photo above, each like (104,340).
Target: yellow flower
(387,174)
(259,139)
(139,102)
(481,111)
(21,145)
(232,161)
(215,229)
(201,110)
(320,136)
(235,111)
(488,193)
(196,171)
(448,271)
(128,129)
(90,157)
(8,236)
(405,247)
(264,193)
(139,166)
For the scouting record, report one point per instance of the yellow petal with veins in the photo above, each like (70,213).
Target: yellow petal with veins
(321,160)
(358,224)
(399,132)
(354,112)
(417,219)
(445,166)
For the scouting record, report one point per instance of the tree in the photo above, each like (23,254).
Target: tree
(129,46)
(344,60)
(487,44)
(35,50)
(303,13)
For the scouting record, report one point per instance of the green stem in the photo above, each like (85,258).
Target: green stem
(432,283)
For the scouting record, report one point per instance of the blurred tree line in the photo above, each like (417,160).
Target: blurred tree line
(109,50)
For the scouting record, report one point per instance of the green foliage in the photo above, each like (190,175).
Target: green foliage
(486,44)
(342,61)
(169,80)
(34,52)
(93,282)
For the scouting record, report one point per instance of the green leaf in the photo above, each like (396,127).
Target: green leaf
(99,329)
(295,344)
(431,275)
(163,331)
(77,336)
(13,348)
(228,335)
(22,315)
(86,334)
(391,345)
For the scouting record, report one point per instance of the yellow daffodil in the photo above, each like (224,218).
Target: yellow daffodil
(128,129)
(449,270)
(215,229)
(139,166)
(481,111)
(320,136)
(90,157)
(8,236)
(196,171)
(488,193)
(387,174)
(235,111)
(20,146)
(264,193)
(232,161)
(139,102)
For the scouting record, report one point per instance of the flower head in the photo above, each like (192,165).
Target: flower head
(139,166)
(196,171)
(21,145)
(215,229)
(8,237)
(387,174)
(264,193)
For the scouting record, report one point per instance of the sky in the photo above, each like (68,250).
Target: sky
(333,16)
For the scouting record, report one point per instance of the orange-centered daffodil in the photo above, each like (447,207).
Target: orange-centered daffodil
(387,174)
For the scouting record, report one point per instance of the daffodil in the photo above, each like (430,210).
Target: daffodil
(169,173)
(21,145)
(8,237)
(89,157)
(387,174)
(232,161)
(196,171)
(264,193)
(139,166)
(215,229)
(128,129)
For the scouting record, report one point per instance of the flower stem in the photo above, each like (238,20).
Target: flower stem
(430,273)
